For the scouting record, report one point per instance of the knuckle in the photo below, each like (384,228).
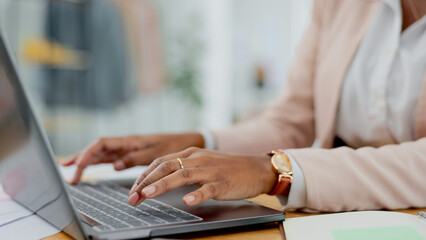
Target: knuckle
(218,198)
(141,178)
(211,190)
(201,194)
(157,162)
(206,156)
(129,163)
(199,154)
(185,173)
(226,184)
(146,182)
(164,184)
(217,175)
(98,145)
(80,164)
(129,159)
(101,140)
(132,158)
(193,150)
(166,167)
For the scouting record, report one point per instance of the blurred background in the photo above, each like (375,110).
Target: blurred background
(99,68)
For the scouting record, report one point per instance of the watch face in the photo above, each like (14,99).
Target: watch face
(281,163)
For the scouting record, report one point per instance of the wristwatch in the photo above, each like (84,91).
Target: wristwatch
(282,167)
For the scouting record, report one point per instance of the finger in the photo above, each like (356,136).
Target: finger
(183,154)
(135,158)
(139,180)
(206,192)
(161,168)
(80,169)
(95,154)
(81,165)
(177,179)
(148,177)
(173,156)
(69,161)
(77,175)
(103,147)
(101,158)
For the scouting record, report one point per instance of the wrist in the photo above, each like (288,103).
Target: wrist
(194,139)
(281,166)
(271,178)
(209,139)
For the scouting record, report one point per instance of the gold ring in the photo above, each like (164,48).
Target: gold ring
(180,162)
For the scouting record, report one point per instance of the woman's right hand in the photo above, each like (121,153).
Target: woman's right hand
(126,152)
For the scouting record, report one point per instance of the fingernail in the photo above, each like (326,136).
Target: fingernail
(119,165)
(189,199)
(134,198)
(149,190)
(74,181)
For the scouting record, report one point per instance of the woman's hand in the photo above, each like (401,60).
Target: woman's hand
(126,152)
(220,176)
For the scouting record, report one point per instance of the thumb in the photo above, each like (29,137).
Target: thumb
(144,157)
(69,161)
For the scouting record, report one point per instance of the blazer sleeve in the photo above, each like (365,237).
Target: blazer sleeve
(289,121)
(344,179)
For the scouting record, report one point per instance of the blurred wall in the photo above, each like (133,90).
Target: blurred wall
(224,61)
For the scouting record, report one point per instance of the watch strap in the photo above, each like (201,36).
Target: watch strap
(283,185)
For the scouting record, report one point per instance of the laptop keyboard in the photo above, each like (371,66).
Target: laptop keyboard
(107,205)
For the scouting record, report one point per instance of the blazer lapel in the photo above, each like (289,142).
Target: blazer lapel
(335,61)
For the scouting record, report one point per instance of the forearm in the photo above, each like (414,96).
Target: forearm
(265,133)
(193,139)
(343,179)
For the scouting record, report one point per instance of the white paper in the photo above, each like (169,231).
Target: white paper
(320,227)
(17,222)
(32,227)
(11,211)
(104,172)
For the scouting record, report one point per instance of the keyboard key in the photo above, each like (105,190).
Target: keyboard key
(111,221)
(136,223)
(167,218)
(119,226)
(108,205)
(102,228)
(138,214)
(152,220)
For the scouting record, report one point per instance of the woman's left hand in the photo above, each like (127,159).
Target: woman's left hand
(220,176)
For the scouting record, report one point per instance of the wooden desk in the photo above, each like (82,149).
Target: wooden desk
(271,232)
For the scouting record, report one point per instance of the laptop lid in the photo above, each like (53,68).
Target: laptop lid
(28,171)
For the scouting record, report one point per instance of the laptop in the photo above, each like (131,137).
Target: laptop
(94,210)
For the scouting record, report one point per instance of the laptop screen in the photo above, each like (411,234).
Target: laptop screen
(27,169)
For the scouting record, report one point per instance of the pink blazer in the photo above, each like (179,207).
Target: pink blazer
(340,179)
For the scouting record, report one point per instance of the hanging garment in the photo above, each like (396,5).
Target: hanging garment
(94,27)
(144,30)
